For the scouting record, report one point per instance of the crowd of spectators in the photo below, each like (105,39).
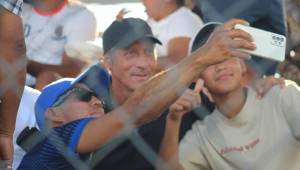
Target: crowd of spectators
(167,93)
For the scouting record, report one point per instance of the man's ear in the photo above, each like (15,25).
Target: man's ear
(54,116)
(243,65)
(107,62)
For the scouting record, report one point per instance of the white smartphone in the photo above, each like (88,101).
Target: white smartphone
(268,45)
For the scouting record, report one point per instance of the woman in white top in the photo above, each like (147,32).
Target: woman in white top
(175,25)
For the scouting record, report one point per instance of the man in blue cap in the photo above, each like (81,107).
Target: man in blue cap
(66,107)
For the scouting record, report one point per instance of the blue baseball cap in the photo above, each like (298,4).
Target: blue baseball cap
(95,77)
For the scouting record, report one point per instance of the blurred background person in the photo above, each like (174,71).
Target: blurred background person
(175,25)
(290,69)
(12,74)
(48,26)
(263,14)
(192,4)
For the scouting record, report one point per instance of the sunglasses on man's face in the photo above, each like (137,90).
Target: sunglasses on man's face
(78,93)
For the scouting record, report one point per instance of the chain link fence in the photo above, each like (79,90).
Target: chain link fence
(137,138)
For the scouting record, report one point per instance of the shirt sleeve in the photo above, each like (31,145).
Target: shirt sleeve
(190,154)
(289,100)
(83,27)
(187,26)
(14,6)
(77,133)
(69,134)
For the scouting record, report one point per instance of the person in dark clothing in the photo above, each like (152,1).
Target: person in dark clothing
(263,14)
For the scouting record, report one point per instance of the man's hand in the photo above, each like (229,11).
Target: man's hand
(189,100)
(263,85)
(225,42)
(6,148)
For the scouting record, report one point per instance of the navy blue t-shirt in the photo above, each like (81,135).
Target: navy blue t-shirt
(51,153)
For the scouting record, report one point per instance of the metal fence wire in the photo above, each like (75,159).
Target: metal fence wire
(137,138)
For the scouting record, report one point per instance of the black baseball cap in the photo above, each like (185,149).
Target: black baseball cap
(122,33)
(203,35)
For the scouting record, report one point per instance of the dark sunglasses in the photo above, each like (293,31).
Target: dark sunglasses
(79,93)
